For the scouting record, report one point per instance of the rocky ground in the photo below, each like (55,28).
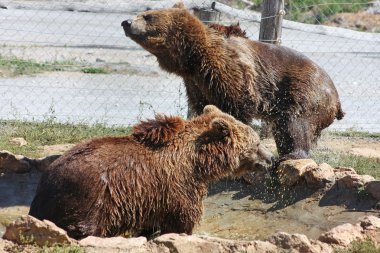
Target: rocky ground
(48,234)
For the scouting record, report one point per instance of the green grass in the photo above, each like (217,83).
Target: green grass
(49,132)
(12,66)
(362,165)
(355,134)
(316,11)
(62,249)
(94,70)
(320,10)
(365,246)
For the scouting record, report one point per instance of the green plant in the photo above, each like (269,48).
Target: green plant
(318,11)
(362,165)
(50,132)
(355,134)
(365,246)
(61,249)
(362,193)
(13,66)
(26,239)
(94,70)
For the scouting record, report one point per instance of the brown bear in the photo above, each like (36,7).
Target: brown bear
(154,179)
(245,78)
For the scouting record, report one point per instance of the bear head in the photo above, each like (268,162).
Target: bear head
(157,30)
(239,141)
(218,145)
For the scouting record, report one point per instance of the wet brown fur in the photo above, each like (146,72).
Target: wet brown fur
(247,79)
(154,179)
(228,31)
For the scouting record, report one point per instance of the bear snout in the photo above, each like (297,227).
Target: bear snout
(126,23)
(265,156)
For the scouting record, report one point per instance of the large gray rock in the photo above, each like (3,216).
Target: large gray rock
(18,141)
(42,164)
(289,172)
(5,245)
(20,164)
(187,244)
(370,223)
(182,243)
(373,188)
(242,246)
(13,163)
(343,235)
(29,230)
(354,181)
(299,243)
(319,176)
(94,244)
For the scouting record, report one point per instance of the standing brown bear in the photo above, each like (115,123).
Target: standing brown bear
(245,78)
(154,179)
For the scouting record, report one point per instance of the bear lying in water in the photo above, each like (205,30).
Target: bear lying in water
(154,179)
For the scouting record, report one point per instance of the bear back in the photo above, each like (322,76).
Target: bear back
(159,131)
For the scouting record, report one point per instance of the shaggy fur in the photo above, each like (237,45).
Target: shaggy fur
(245,78)
(153,180)
(228,31)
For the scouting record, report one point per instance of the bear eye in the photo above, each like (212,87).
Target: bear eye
(148,18)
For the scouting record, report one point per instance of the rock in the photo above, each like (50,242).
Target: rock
(370,222)
(373,188)
(343,171)
(29,230)
(94,244)
(299,242)
(14,163)
(261,246)
(19,141)
(354,181)
(5,245)
(242,246)
(187,244)
(291,171)
(42,164)
(21,164)
(343,235)
(319,176)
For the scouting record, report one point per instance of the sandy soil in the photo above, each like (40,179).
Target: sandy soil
(362,146)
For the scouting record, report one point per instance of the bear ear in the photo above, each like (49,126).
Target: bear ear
(159,131)
(221,128)
(179,5)
(210,109)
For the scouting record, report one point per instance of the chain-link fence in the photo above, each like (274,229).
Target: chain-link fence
(70,60)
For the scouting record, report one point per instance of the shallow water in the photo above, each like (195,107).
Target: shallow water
(16,194)
(233,209)
(236,210)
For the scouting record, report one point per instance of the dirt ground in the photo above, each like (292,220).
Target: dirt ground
(362,146)
(367,147)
